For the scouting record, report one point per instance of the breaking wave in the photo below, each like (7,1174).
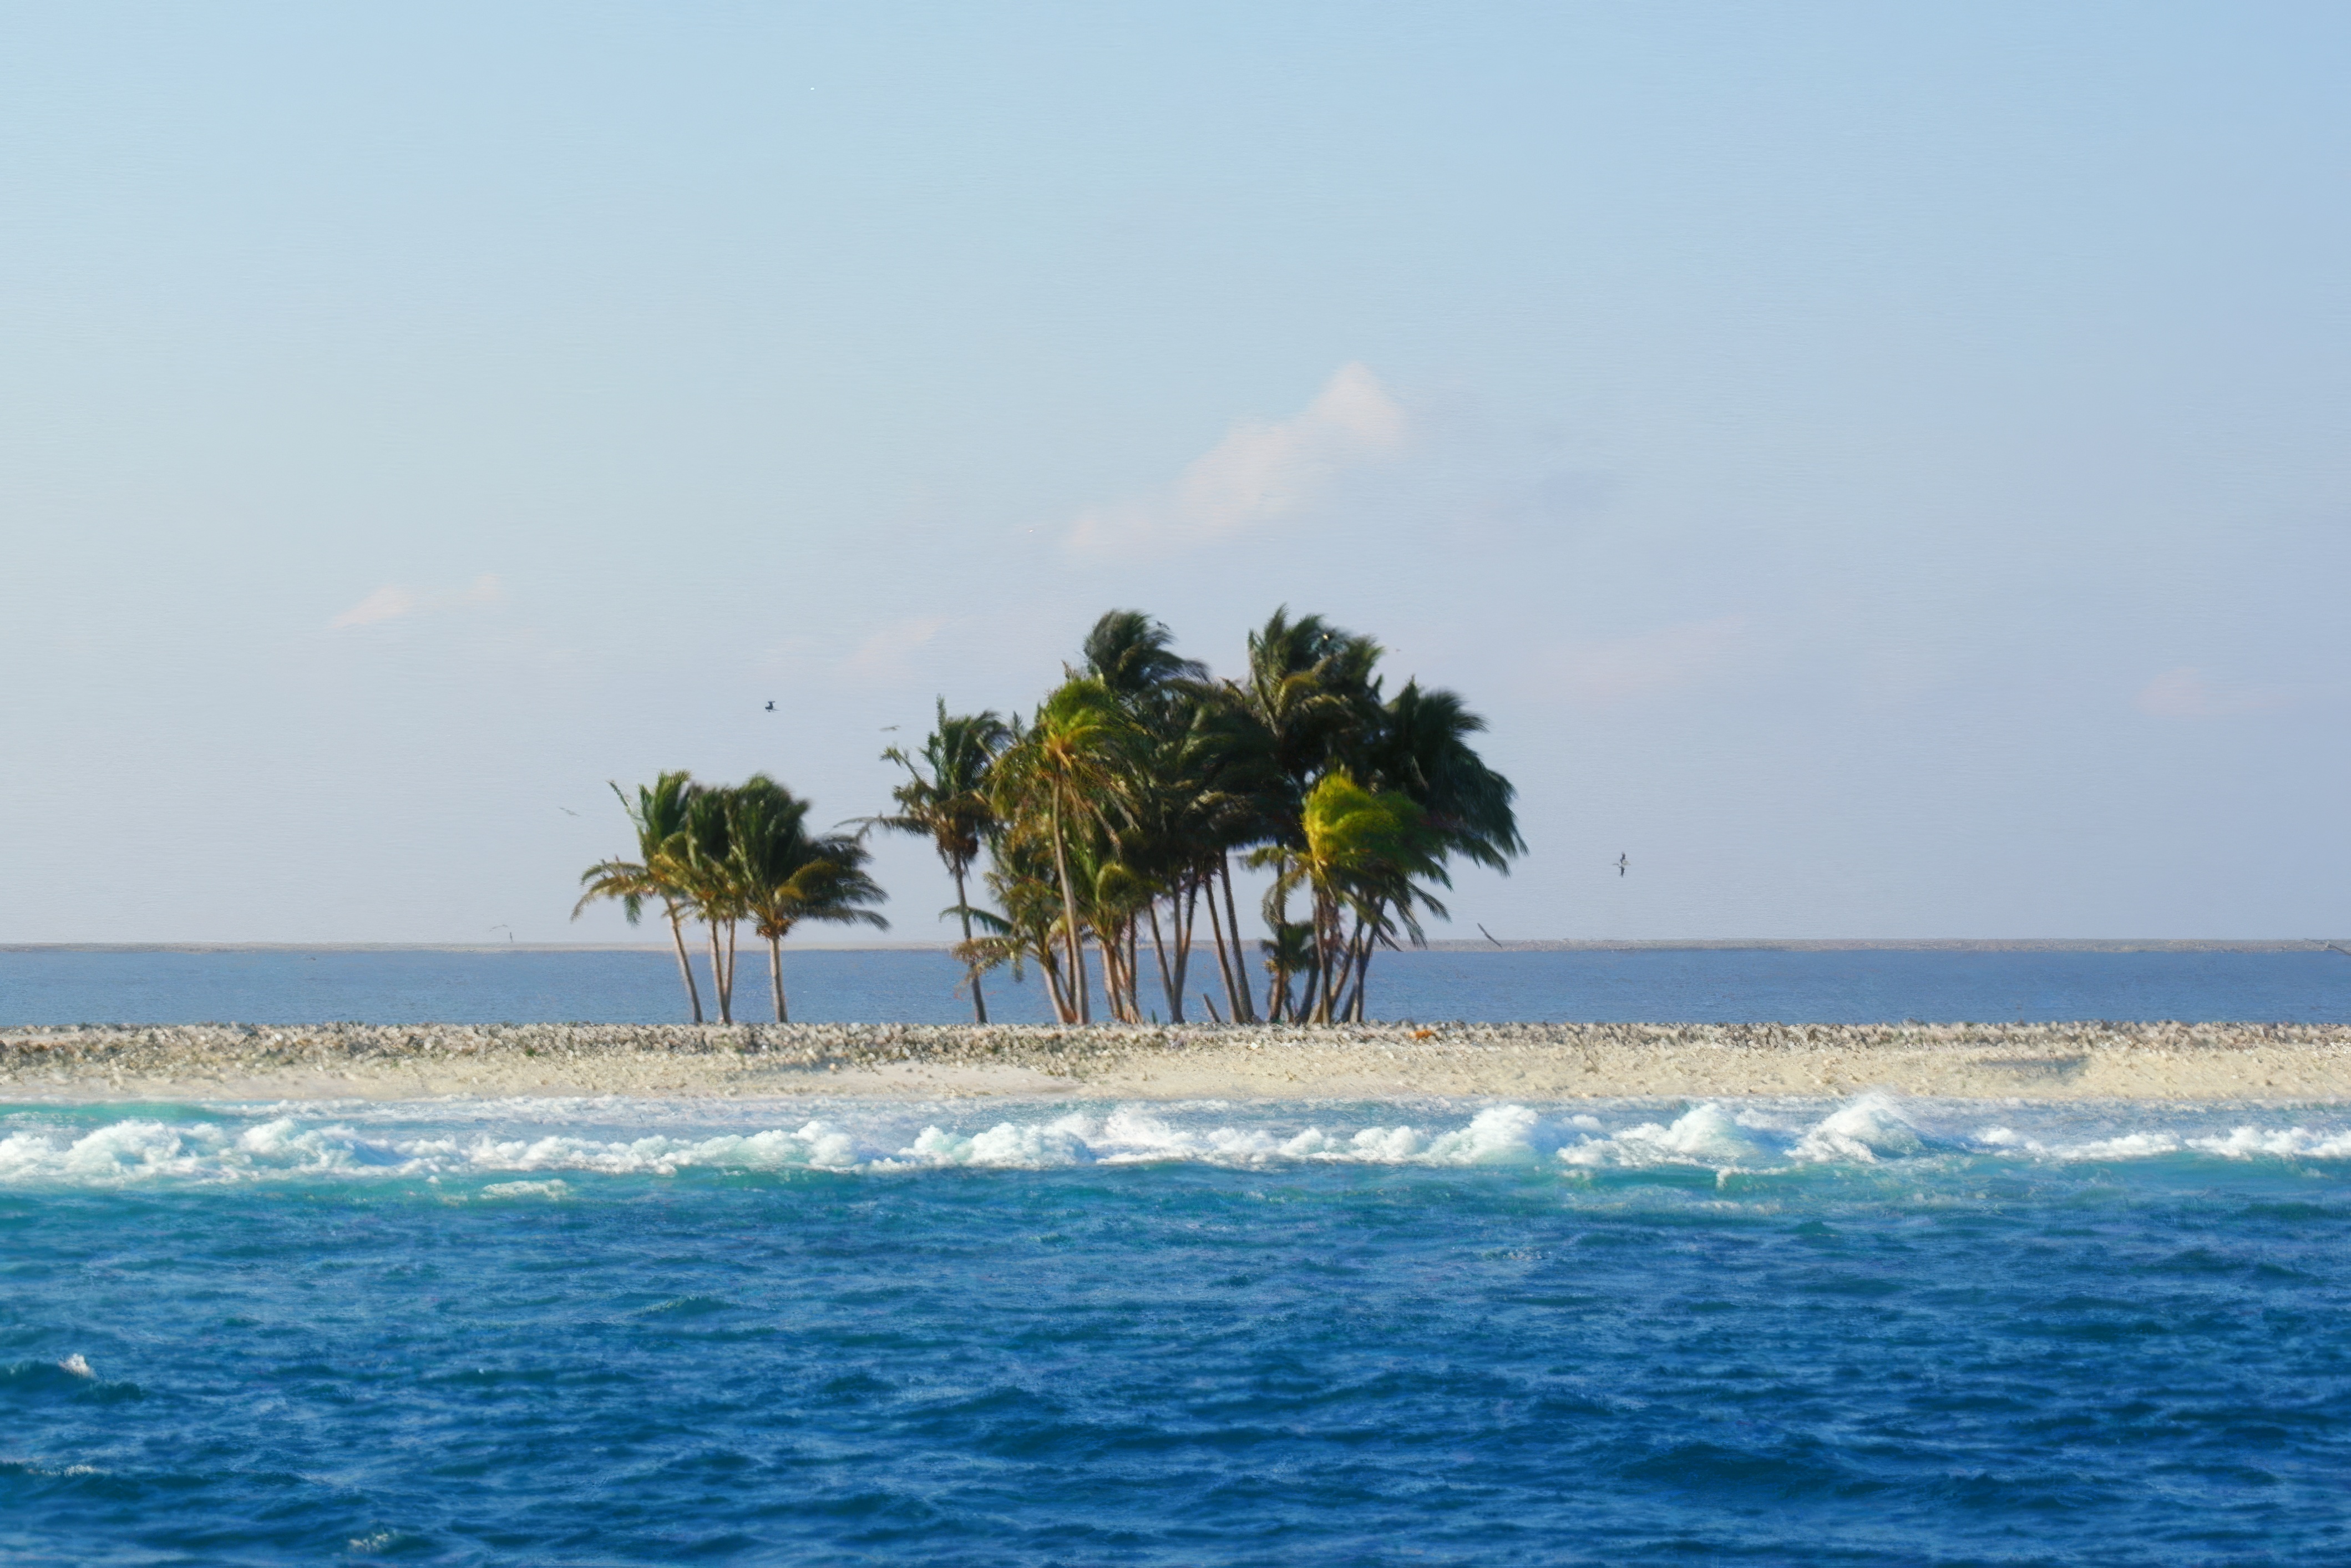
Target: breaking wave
(514,1144)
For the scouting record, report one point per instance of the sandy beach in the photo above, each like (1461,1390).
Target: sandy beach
(2207,1063)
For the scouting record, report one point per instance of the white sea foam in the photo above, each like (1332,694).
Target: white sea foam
(521,1146)
(1703,1135)
(75,1364)
(556,1189)
(2237,1143)
(1863,1133)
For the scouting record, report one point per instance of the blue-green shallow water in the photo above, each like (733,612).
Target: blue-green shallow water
(592,1333)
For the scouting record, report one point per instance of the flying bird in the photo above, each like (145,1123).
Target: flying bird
(888,728)
(771,707)
(567,810)
(1621,863)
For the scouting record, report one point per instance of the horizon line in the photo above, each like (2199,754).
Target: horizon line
(1524,945)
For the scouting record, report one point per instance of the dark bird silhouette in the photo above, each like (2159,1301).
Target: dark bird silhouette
(771,707)
(1621,863)
(567,810)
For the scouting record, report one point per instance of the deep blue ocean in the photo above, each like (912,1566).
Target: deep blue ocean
(606,1332)
(64,986)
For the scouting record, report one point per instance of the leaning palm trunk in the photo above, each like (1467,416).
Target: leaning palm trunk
(776,974)
(1244,1009)
(1223,959)
(685,970)
(1051,968)
(1170,983)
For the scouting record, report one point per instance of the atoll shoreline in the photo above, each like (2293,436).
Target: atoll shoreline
(2217,1062)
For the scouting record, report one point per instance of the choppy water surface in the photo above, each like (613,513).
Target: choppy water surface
(591,1331)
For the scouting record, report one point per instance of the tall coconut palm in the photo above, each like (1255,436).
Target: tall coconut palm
(1160,821)
(786,876)
(1362,853)
(1422,751)
(1019,875)
(658,815)
(945,798)
(700,861)
(1063,773)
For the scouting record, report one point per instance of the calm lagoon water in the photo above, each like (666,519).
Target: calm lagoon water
(57,985)
(590,1332)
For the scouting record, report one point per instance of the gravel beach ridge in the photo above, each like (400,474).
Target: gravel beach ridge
(2267,1063)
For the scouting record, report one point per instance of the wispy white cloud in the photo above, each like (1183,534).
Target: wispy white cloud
(1263,472)
(886,655)
(393,601)
(1604,674)
(2190,693)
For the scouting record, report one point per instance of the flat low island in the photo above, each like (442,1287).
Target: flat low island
(2183,1061)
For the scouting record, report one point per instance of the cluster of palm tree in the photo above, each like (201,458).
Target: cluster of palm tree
(1117,812)
(725,856)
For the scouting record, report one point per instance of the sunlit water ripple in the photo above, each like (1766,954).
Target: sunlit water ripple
(605,1331)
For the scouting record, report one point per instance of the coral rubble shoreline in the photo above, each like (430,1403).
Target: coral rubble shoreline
(2214,1062)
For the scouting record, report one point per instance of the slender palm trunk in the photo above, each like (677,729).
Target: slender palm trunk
(775,975)
(1070,918)
(1052,973)
(1167,979)
(1118,980)
(730,969)
(1184,912)
(1244,1009)
(685,970)
(1329,943)
(1223,959)
(1365,938)
(718,974)
(962,907)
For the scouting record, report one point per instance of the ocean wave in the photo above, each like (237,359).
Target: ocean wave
(526,1162)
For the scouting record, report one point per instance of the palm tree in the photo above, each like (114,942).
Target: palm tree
(659,818)
(1020,876)
(1160,824)
(1361,851)
(1289,956)
(1133,657)
(1423,751)
(1063,772)
(785,876)
(700,861)
(945,798)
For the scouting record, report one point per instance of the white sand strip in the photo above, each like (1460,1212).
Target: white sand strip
(2034,1061)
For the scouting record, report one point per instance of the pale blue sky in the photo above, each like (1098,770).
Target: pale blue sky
(1882,468)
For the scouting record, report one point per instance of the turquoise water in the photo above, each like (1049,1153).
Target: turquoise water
(67,985)
(583,1332)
